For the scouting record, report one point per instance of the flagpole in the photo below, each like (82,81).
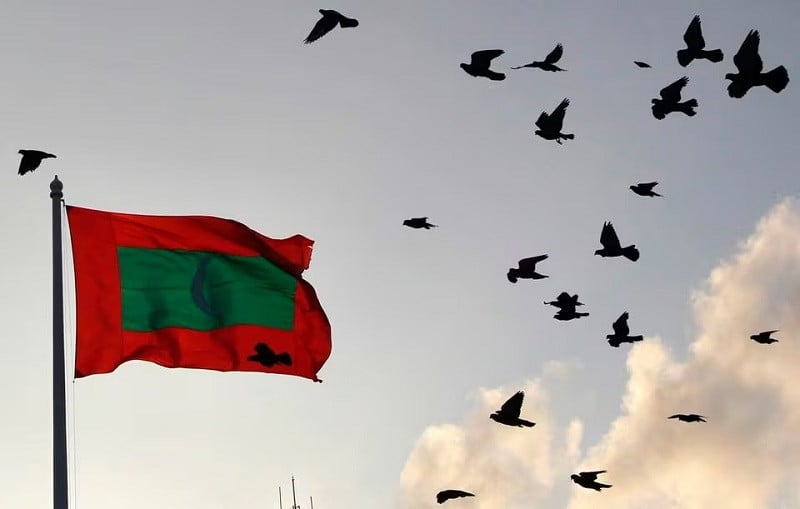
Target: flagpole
(60,477)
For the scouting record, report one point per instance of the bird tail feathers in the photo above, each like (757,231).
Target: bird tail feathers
(714,55)
(777,79)
(688,107)
(568,136)
(283,358)
(635,338)
(348,23)
(631,253)
(527,424)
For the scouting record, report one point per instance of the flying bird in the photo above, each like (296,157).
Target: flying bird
(670,101)
(550,125)
(509,412)
(565,300)
(645,189)
(328,22)
(265,356)
(566,305)
(688,417)
(749,64)
(479,63)
(643,65)
(589,480)
(568,314)
(31,159)
(526,269)
(419,222)
(612,247)
(444,496)
(695,45)
(764,337)
(622,332)
(548,64)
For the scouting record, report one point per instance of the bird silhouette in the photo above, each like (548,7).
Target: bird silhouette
(749,64)
(328,22)
(622,332)
(419,222)
(265,356)
(645,189)
(612,247)
(688,417)
(643,65)
(589,480)
(444,496)
(764,337)
(548,64)
(566,305)
(550,125)
(479,63)
(509,412)
(567,314)
(526,269)
(670,101)
(31,159)
(565,300)
(695,45)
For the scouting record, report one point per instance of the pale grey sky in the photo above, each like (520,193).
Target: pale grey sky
(195,107)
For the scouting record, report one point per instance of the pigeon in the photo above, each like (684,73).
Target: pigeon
(419,222)
(589,480)
(31,159)
(612,247)
(670,101)
(566,307)
(565,300)
(568,314)
(265,356)
(444,496)
(509,412)
(695,46)
(688,417)
(643,65)
(749,64)
(550,125)
(622,332)
(764,337)
(526,269)
(548,64)
(478,65)
(328,22)
(645,189)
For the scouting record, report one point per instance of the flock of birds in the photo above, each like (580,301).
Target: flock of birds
(750,74)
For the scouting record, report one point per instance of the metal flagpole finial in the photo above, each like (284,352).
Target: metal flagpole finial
(56,188)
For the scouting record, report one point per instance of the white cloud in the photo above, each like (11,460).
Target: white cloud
(747,456)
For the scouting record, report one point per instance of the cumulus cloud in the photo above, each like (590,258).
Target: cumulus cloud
(746,457)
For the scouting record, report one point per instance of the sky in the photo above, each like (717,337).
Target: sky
(200,107)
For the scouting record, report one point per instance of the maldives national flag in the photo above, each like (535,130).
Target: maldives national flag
(193,292)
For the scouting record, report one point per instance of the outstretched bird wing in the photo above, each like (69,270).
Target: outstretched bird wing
(445,495)
(747,59)
(672,93)
(591,476)
(555,55)
(484,57)
(543,122)
(621,325)
(608,237)
(513,406)
(530,263)
(676,416)
(325,24)
(693,37)
(648,186)
(643,65)
(557,117)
